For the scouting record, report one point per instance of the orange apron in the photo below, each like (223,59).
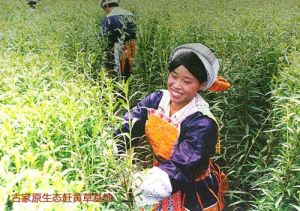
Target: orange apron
(129,50)
(162,134)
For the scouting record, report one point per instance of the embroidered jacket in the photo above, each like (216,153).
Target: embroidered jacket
(118,26)
(190,155)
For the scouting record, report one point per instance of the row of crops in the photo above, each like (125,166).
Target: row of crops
(57,105)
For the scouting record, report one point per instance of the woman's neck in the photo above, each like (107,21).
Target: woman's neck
(175,107)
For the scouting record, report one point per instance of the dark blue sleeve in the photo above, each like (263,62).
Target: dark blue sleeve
(112,28)
(136,120)
(107,31)
(105,27)
(190,157)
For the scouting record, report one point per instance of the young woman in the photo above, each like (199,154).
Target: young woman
(183,135)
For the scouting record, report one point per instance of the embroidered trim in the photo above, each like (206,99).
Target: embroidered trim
(163,117)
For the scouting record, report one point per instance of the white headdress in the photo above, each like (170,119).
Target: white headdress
(205,55)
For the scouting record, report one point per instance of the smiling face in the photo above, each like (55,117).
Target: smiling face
(182,86)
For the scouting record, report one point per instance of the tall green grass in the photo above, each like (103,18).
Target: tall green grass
(57,105)
(278,186)
(55,120)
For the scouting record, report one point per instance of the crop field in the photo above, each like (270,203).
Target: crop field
(57,104)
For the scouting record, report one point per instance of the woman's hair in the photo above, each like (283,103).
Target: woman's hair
(191,62)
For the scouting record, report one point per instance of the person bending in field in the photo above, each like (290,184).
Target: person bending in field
(118,28)
(183,135)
